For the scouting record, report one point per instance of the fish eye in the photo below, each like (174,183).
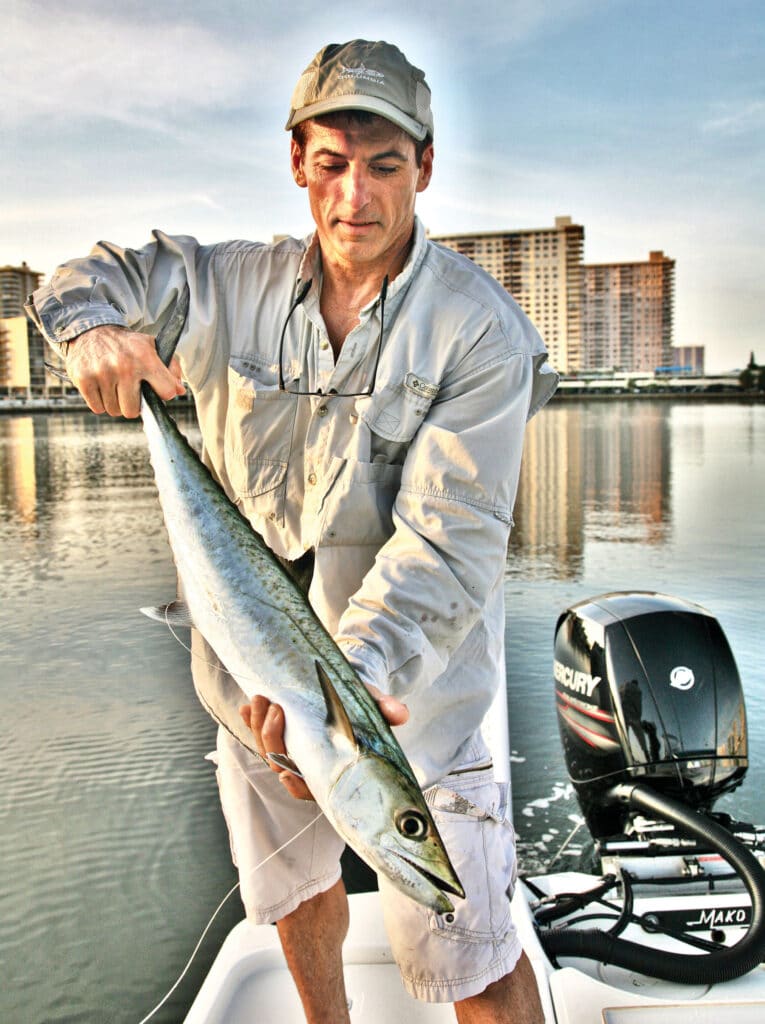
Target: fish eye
(412,825)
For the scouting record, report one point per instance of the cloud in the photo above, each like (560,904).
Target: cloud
(73,62)
(161,63)
(736,118)
(66,210)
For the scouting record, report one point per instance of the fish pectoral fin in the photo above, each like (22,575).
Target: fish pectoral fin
(337,717)
(282,761)
(174,614)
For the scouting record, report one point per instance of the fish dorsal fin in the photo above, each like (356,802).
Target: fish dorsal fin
(169,335)
(337,716)
(174,614)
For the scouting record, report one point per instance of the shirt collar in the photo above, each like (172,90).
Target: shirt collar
(310,267)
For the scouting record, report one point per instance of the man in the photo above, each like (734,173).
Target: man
(362,396)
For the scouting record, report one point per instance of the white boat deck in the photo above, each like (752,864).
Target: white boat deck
(249,981)
(249,984)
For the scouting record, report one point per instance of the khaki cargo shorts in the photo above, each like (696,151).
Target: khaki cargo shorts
(442,958)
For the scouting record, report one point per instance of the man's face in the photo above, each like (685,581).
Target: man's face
(362,181)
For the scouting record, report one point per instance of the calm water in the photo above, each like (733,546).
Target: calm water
(113,854)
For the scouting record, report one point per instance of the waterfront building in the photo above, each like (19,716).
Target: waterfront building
(15,362)
(688,359)
(16,283)
(23,351)
(22,359)
(542,270)
(9,368)
(627,314)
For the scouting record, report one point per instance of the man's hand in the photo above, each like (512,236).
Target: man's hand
(266,721)
(107,364)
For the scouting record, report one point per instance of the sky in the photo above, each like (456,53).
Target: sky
(641,120)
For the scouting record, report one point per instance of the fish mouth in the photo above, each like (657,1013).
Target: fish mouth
(440,883)
(438,886)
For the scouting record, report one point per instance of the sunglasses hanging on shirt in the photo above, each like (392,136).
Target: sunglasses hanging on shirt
(283,386)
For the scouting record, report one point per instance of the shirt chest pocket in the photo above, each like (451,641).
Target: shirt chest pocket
(394,416)
(260,421)
(359,507)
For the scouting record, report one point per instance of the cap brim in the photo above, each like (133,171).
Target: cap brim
(360,102)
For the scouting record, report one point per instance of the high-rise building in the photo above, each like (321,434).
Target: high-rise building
(22,347)
(542,270)
(6,356)
(15,362)
(627,311)
(16,283)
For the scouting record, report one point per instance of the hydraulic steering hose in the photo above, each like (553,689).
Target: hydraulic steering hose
(689,969)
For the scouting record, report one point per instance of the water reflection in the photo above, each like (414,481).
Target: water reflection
(18,474)
(45,460)
(590,471)
(57,474)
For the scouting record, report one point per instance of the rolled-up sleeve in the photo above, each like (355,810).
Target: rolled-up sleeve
(431,580)
(134,288)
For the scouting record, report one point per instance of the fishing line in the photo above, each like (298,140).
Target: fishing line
(210,664)
(570,836)
(217,665)
(217,910)
(233,889)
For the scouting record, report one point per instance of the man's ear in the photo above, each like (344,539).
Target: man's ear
(296,162)
(426,169)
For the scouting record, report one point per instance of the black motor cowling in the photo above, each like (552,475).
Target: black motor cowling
(647,691)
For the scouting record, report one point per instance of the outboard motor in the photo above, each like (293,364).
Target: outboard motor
(651,714)
(647,692)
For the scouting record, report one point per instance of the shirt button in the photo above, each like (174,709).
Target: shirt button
(324,346)
(322,410)
(354,417)
(311,479)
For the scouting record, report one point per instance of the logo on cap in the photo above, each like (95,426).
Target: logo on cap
(682,677)
(368,74)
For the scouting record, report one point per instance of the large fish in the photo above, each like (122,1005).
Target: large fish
(260,625)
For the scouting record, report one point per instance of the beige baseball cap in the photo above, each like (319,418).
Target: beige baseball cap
(363,75)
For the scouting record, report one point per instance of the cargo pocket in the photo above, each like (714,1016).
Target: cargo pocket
(260,422)
(470,813)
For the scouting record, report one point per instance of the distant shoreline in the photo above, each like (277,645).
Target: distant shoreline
(740,398)
(25,407)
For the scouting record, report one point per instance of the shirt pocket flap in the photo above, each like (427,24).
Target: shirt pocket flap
(396,412)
